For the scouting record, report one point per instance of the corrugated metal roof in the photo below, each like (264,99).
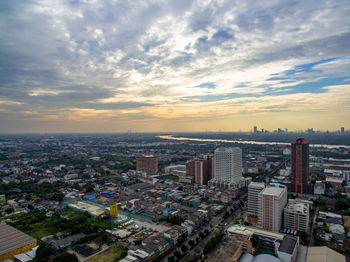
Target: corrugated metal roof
(12,239)
(323,254)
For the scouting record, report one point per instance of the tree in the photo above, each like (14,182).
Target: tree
(212,242)
(57,196)
(9,210)
(43,252)
(177,253)
(65,257)
(254,240)
(123,254)
(184,248)
(193,258)
(304,236)
(137,242)
(171,259)
(341,204)
(226,215)
(191,243)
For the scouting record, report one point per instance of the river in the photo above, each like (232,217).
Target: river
(171,137)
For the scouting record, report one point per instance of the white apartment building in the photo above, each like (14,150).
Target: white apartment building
(254,189)
(296,216)
(227,167)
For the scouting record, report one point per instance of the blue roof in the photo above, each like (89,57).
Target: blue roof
(91,196)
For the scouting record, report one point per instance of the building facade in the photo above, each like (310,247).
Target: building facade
(300,166)
(227,167)
(147,163)
(296,216)
(201,169)
(272,201)
(254,189)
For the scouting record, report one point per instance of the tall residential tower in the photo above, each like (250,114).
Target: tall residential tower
(227,167)
(272,201)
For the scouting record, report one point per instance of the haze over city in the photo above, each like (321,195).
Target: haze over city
(150,66)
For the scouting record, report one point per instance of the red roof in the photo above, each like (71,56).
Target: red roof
(299,141)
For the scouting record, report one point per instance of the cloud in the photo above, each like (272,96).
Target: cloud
(108,56)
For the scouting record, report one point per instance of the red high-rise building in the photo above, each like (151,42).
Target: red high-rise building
(201,169)
(300,166)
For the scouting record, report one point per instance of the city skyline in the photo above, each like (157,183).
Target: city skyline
(173,66)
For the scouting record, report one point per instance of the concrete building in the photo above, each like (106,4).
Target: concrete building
(147,163)
(300,166)
(231,249)
(227,167)
(319,188)
(201,169)
(296,216)
(66,242)
(254,189)
(272,201)
(287,249)
(178,170)
(13,242)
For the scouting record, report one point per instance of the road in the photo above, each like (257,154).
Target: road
(215,222)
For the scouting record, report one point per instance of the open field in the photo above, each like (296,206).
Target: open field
(111,254)
(38,225)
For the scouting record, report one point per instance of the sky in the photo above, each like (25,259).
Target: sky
(169,66)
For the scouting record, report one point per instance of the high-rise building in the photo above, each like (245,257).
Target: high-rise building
(147,163)
(254,189)
(272,201)
(255,129)
(342,130)
(190,167)
(300,166)
(296,216)
(201,169)
(227,167)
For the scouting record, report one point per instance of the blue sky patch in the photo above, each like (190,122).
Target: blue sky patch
(207,85)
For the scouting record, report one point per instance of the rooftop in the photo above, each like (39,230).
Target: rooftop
(11,239)
(67,240)
(257,184)
(273,190)
(323,254)
(288,244)
(300,208)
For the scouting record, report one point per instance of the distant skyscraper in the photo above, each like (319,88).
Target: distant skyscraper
(272,201)
(300,166)
(227,167)
(147,163)
(342,130)
(254,189)
(255,129)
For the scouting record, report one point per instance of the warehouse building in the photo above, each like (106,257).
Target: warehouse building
(13,242)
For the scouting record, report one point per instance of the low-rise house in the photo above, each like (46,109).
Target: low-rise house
(66,242)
